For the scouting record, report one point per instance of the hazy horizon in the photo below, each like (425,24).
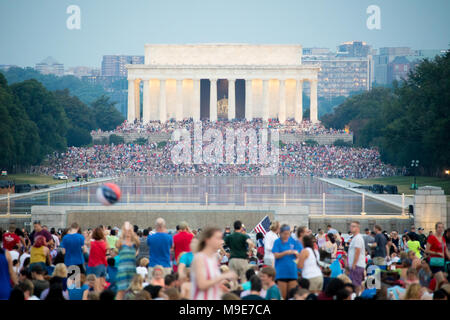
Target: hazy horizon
(33,30)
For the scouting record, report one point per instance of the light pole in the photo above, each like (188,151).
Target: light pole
(414,165)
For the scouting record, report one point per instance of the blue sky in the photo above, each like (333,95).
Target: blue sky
(31,30)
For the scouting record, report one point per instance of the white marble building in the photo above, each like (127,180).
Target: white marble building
(171,75)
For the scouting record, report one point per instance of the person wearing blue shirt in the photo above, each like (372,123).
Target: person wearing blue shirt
(286,251)
(159,245)
(73,246)
(111,273)
(74,292)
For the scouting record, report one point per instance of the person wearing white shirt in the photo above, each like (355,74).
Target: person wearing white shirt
(269,239)
(143,268)
(14,254)
(22,259)
(356,257)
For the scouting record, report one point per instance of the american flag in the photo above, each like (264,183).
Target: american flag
(263,226)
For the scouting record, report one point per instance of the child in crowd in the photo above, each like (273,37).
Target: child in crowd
(268,280)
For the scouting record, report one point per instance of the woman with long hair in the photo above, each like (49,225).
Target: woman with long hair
(414,292)
(127,245)
(331,245)
(206,277)
(59,278)
(97,256)
(437,249)
(135,287)
(308,261)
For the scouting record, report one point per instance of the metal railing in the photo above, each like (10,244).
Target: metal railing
(319,204)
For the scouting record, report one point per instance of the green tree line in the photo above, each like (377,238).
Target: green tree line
(85,91)
(410,121)
(36,122)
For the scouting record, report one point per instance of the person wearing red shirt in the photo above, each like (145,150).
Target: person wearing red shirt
(182,241)
(437,249)
(10,239)
(97,257)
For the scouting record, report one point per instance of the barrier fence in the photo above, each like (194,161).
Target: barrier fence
(318,203)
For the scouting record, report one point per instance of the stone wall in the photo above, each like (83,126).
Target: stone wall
(430,206)
(198,216)
(343,223)
(223,54)
(320,139)
(130,137)
(284,137)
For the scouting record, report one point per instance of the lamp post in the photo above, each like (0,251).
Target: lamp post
(414,165)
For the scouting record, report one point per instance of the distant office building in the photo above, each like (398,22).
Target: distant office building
(114,65)
(104,81)
(81,71)
(316,51)
(50,66)
(398,69)
(395,51)
(394,63)
(341,72)
(354,49)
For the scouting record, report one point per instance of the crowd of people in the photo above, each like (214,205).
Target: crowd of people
(108,263)
(305,127)
(152,159)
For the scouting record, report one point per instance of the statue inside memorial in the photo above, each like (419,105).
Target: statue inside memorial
(222,108)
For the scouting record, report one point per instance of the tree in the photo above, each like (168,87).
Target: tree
(19,138)
(81,118)
(85,91)
(106,115)
(78,137)
(409,120)
(78,113)
(44,110)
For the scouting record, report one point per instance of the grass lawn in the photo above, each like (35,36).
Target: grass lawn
(31,179)
(404,183)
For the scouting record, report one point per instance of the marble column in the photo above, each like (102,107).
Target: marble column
(213,100)
(248,100)
(265,97)
(137,99)
(282,110)
(179,101)
(131,108)
(162,101)
(313,102)
(146,102)
(196,100)
(298,111)
(231,99)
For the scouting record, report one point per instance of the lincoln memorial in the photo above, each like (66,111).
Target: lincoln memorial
(184,81)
